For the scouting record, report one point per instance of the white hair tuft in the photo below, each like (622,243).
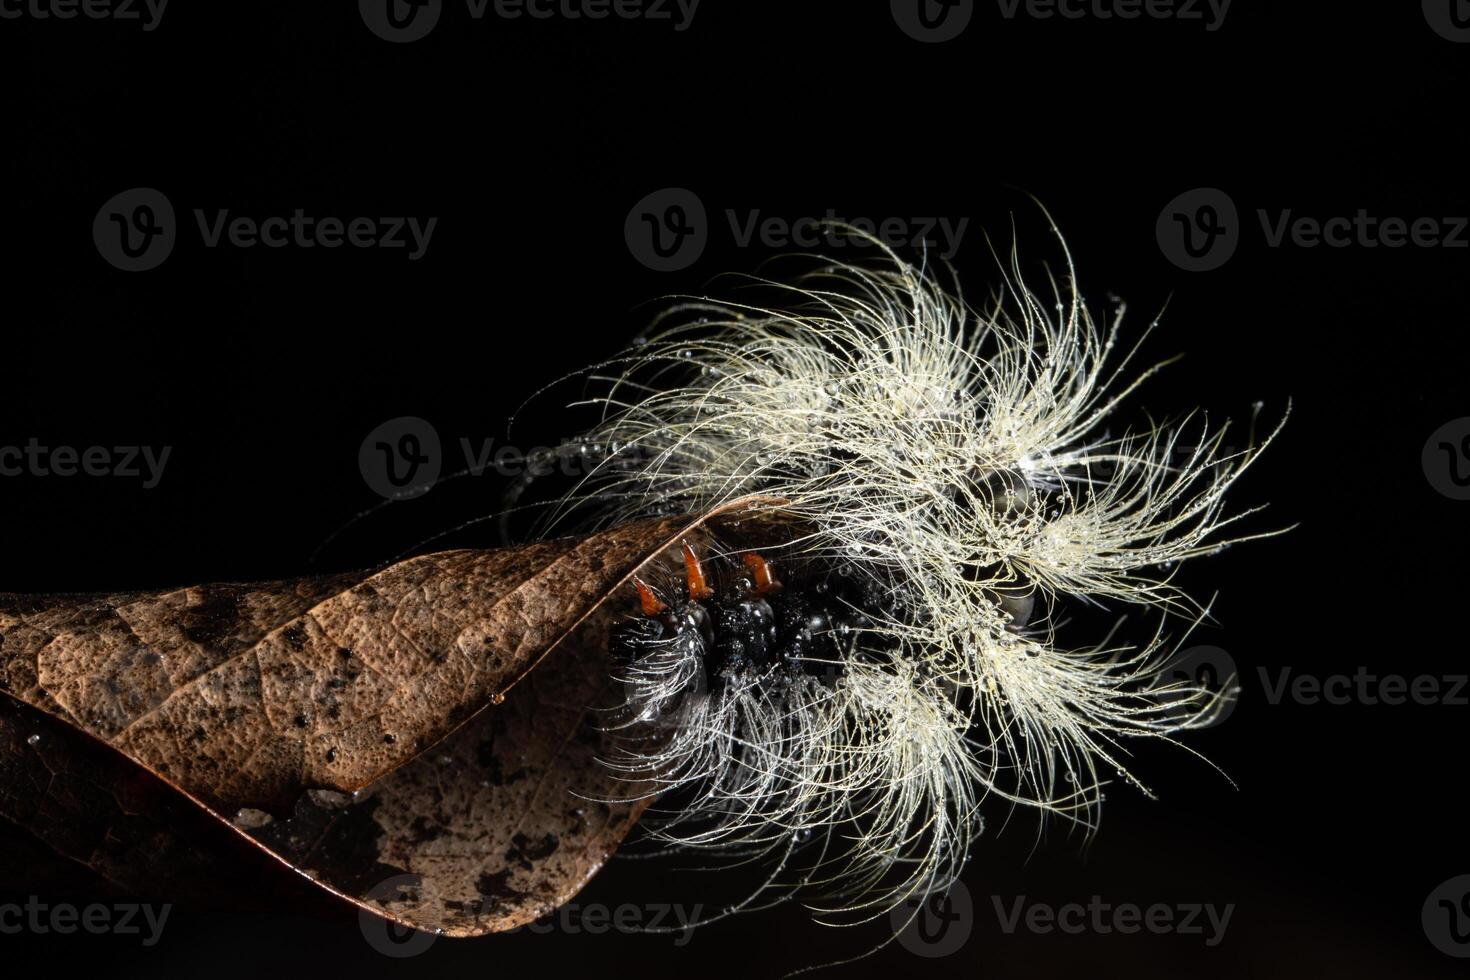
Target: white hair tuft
(956,460)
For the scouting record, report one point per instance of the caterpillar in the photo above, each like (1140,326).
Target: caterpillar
(848,700)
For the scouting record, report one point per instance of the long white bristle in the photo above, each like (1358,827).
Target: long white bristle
(955,456)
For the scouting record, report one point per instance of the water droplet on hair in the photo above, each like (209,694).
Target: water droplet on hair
(34,740)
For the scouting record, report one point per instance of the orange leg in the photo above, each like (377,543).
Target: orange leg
(760,573)
(699,589)
(650,603)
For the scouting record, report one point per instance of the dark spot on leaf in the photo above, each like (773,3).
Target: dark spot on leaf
(494,885)
(423,831)
(529,850)
(215,617)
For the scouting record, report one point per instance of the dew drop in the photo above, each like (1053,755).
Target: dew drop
(34,740)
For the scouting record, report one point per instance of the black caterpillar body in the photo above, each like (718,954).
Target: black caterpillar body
(755,626)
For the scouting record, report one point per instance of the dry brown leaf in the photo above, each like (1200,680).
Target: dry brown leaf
(243,698)
(504,821)
(246,695)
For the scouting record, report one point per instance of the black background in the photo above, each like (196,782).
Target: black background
(530,141)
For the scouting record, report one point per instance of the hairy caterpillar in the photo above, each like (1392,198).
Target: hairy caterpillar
(947,485)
